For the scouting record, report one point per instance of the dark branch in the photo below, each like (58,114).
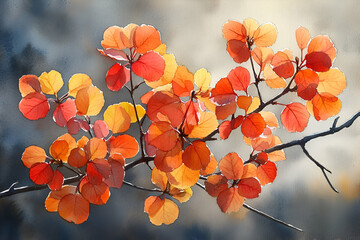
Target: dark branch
(141,188)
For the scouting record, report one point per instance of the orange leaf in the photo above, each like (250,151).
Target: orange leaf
(239,78)
(117,174)
(51,82)
(325,105)
(197,155)
(251,26)
(29,84)
(146,38)
(159,178)
(210,168)
(302,37)
(74,208)
(64,112)
(78,81)
(318,61)
(270,119)
(223,93)
(265,35)
(117,76)
(230,200)
(249,188)
(226,127)
(215,184)
(149,66)
(332,81)
(82,141)
(244,102)
(283,66)
(238,50)
(250,170)
(234,30)
(207,124)
(34,106)
(77,158)
(95,148)
(253,125)
(167,161)
(183,177)
(266,173)
(112,39)
(162,136)
(295,117)
(57,181)
(71,143)
(307,82)
(89,101)
(181,195)
(167,104)
(169,72)
(32,155)
(116,118)
(59,150)
(53,199)
(95,193)
(272,79)
(262,56)
(223,111)
(41,173)
(183,82)
(125,145)
(231,166)
(161,210)
(322,44)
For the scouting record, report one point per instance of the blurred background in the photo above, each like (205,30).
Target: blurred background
(38,36)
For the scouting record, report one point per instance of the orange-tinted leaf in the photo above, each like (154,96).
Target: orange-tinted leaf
(270,119)
(167,104)
(82,141)
(307,82)
(325,105)
(250,25)
(183,177)
(149,66)
(223,93)
(318,61)
(215,184)
(332,81)
(117,77)
(78,81)
(41,173)
(181,195)
(183,82)
(59,150)
(51,82)
(226,127)
(210,168)
(64,112)
(161,210)
(159,178)
(33,154)
(223,111)
(77,158)
(249,188)
(266,173)
(95,148)
(57,181)
(322,44)
(89,101)
(167,161)
(283,66)
(116,118)
(295,117)
(207,124)
(117,157)
(276,155)
(100,129)
(238,50)
(129,108)
(114,54)
(244,102)
(261,143)
(234,30)
(117,174)
(112,39)
(34,106)
(272,79)
(231,166)
(197,155)
(125,145)
(29,84)
(250,170)
(95,193)
(146,38)
(239,78)
(253,125)
(302,37)
(53,199)
(74,208)
(127,34)
(162,136)
(169,72)
(265,35)
(262,56)
(230,200)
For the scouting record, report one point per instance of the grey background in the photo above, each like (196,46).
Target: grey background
(37,36)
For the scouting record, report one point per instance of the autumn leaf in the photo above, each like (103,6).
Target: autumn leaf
(231,166)
(149,66)
(29,84)
(74,208)
(295,117)
(34,106)
(78,81)
(161,211)
(51,82)
(117,118)
(230,200)
(89,101)
(125,145)
(32,155)
(197,155)
(117,76)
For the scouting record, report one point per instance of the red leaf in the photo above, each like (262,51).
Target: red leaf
(116,176)
(249,188)
(74,125)
(223,93)
(215,184)
(229,200)
(125,145)
(100,129)
(266,173)
(114,54)
(64,112)
(117,77)
(98,170)
(57,181)
(162,136)
(253,125)
(239,78)
(283,66)
(307,81)
(295,117)
(41,173)
(238,50)
(197,155)
(226,127)
(149,66)
(34,106)
(318,61)
(231,166)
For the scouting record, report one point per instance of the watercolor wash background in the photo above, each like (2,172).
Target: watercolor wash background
(37,36)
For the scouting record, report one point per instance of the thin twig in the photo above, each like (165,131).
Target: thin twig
(141,188)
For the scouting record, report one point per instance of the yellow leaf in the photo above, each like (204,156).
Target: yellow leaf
(202,79)
(250,25)
(161,49)
(78,81)
(332,81)
(89,101)
(183,177)
(116,118)
(51,82)
(254,105)
(207,124)
(129,108)
(265,35)
(161,210)
(272,79)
